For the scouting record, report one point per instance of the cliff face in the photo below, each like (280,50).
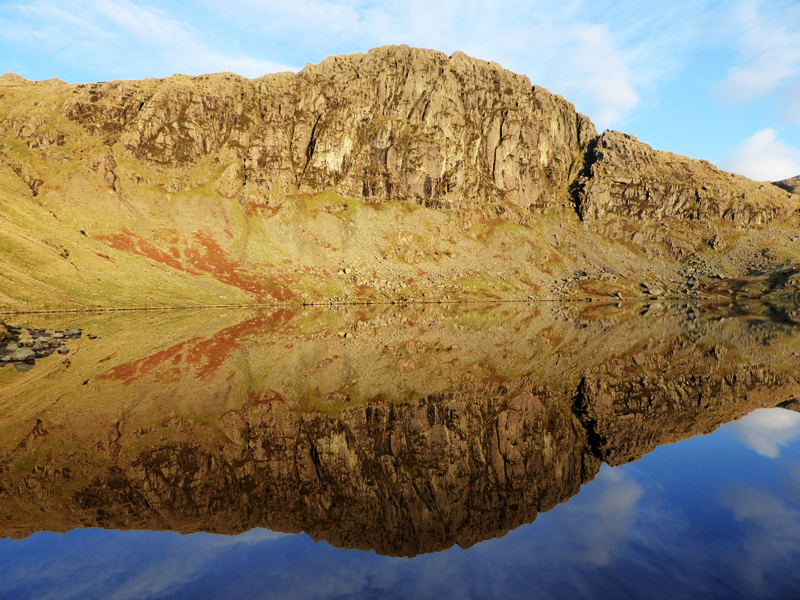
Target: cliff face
(411,433)
(397,123)
(790,185)
(405,166)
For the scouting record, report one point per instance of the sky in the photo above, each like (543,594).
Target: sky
(711,79)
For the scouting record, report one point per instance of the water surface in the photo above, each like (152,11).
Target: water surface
(579,450)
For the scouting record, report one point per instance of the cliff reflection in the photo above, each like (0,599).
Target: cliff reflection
(403,430)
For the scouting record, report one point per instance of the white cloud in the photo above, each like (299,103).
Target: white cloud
(147,25)
(767,430)
(771,527)
(596,54)
(187,562)
(609,58)
(769,45)
(604,56)
(763,157)
(598,68)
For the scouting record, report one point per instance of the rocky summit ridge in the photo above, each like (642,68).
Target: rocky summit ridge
(392,176)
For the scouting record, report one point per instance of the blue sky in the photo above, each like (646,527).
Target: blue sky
(711,79)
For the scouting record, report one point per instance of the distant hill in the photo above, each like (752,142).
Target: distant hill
(790,185)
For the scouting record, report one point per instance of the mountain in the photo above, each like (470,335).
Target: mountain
(397,175)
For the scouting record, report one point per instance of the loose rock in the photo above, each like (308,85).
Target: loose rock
(23,354)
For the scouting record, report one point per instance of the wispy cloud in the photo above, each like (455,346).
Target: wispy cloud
(601,527)
(606,57)
(617,61)
(122,39)
(768,41)
(601,56)
(767,430)
(600,70)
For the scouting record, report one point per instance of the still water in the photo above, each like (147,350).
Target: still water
(466,451)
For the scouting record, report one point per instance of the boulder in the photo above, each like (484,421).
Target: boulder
(23,354)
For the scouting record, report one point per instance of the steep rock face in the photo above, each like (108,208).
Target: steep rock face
(630,179)
(397,479)
(396,123)
(630,418)
(790,185)
(678,387)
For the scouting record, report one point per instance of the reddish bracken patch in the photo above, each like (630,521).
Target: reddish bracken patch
(363,316)
(490,226)
(212,259)
(259,398)
(251,209)
(130,242)
(130,372)
(204,356)
(365,291)
(204,256)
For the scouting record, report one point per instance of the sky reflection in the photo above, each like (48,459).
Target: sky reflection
(715,516)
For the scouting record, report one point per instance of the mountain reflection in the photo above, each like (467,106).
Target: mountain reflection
(400,429)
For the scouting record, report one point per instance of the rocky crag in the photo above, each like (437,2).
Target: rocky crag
(394,176)
(403,431)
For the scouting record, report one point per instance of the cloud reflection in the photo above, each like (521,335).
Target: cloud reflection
(770,523)
(602,526)
(767,430)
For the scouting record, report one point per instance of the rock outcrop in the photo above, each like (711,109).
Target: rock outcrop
(397,123)
(630,179)
(397,479)
(790,185)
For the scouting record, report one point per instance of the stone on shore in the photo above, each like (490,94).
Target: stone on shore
(23,354)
